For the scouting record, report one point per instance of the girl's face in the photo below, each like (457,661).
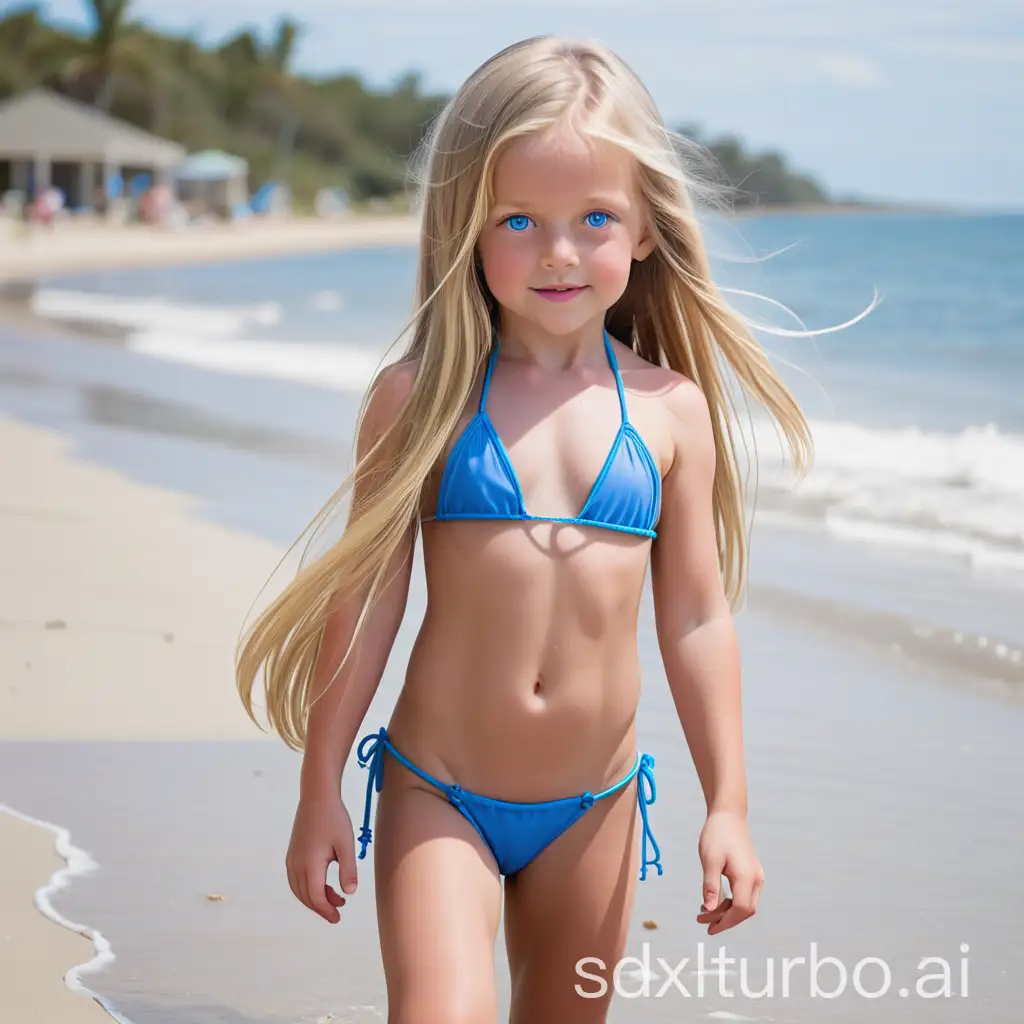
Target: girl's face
(566,224)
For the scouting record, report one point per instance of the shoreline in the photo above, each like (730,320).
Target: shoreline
(43,971)
(30,252)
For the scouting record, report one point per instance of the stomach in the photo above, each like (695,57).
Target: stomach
(524,679)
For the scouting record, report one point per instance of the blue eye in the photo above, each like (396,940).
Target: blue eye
(518,222)
(600,221)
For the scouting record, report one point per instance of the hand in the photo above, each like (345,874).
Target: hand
(322,833)
(725,848)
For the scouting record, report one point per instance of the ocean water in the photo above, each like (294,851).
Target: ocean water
(916,408)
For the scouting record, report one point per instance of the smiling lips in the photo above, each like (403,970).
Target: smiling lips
(560,293)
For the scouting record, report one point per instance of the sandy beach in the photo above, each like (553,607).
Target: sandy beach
(75,610)
(114,584)
(73,246)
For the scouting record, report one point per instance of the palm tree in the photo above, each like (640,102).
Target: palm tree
(282,49)
(259,84)
(281,85)
(116,47)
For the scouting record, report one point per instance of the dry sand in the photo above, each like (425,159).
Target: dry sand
(92,245)
(118,617)
(119,611)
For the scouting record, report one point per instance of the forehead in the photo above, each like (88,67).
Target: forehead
(561,165)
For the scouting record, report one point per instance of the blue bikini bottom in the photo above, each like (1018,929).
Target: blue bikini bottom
(515,833)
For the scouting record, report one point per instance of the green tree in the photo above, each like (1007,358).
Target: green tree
(31,52)
(281,87)
(114,49)
(762,179)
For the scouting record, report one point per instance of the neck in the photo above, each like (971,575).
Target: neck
(523,341)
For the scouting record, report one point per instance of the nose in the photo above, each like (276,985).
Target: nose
(560,252)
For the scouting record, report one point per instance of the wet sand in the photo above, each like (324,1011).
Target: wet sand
(883,779)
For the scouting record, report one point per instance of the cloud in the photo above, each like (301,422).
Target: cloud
(849,69)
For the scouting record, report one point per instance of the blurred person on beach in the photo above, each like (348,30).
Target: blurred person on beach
(565,309)
(47,206)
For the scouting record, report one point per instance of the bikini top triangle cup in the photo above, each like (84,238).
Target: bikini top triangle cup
(479,482)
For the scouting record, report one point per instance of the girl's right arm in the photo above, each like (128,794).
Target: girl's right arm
(322,830)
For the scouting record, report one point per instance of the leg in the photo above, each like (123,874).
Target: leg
(438,906)
(573,901)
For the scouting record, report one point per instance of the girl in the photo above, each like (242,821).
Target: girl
(559,419)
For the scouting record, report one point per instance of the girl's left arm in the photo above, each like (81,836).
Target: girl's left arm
(700,651)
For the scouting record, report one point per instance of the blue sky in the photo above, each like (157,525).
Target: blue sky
(904,99)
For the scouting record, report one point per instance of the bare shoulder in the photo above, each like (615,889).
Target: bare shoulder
(387,395)
(689,418)
(686,403)
(393,385)
(648,379)
(391,389)
(676,393)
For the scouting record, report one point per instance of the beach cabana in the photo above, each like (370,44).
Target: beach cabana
(216,179)
(47,139)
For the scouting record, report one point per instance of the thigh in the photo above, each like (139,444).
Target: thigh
(438,906)
(574,901)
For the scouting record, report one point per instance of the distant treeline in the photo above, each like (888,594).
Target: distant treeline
(761,179)
(242,95)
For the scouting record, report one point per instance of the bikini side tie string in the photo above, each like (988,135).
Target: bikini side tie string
(647,792)
(371,753)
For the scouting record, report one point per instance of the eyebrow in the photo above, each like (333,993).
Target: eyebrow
(606,199)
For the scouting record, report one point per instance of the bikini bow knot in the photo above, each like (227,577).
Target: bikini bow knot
(647,792)
(370,753)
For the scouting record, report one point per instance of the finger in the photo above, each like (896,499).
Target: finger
(730,919)
(710,917)
(742,906)
(316,885)
(333,897)
(348,876)
(705,915)
(758,886)
(712,891)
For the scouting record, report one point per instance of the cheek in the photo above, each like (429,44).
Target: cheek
(507,263)
(610,264)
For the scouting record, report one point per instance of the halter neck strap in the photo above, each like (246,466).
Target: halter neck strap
(614,363)
(487,376)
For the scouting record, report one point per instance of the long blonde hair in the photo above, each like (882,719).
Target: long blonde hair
(671,313)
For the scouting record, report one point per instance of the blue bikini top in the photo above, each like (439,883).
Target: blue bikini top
(479,482)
